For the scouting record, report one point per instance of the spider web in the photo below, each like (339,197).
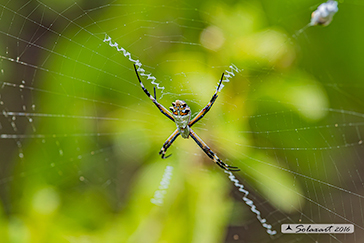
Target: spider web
(78,135)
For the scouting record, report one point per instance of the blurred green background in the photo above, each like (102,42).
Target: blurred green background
(80,150)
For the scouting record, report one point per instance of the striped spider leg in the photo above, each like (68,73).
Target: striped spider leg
(207,107)
(154,99)
(181,115)
(210,153)
(168,143)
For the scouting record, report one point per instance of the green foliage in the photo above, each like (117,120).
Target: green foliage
(92,180)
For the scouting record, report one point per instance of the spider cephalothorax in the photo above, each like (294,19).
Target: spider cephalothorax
(181,115)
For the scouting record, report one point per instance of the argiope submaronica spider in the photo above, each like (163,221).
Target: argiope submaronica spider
(181,115)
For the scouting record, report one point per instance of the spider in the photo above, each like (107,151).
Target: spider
(181,115)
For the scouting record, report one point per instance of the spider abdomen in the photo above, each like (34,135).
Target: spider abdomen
(182,115)
(184,131)
(182,125)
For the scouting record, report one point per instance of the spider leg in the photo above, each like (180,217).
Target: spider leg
(211,154)
(154,99)
(207,107)
(168,143)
